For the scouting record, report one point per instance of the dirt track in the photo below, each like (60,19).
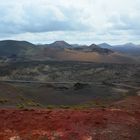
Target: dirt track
(92,124)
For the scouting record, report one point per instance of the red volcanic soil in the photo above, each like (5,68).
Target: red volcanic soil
(90,124)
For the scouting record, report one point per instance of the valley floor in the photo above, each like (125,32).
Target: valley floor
(69,101)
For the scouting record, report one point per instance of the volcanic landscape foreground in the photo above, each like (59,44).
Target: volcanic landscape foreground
(64,91)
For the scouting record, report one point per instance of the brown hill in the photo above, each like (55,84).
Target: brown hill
(94,55)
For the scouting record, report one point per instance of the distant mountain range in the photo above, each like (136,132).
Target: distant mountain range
(62,51)
(128,48)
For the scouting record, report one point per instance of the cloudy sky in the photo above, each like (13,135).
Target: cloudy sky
(75,21)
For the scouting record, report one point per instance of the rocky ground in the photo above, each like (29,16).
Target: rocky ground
(116,119)
(70,124)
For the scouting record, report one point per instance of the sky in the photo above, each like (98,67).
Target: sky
(75,21)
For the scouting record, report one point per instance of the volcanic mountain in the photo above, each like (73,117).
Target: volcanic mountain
(92,53)
(62,51)
(13,47)
(105,45)
(128,48)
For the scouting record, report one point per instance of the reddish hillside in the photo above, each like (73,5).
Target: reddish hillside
(103,124)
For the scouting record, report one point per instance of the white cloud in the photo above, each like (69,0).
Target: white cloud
(80,20)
